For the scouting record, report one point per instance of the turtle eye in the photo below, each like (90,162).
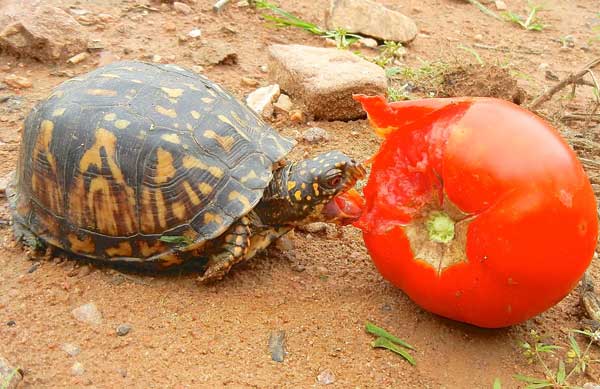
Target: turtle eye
(334,181)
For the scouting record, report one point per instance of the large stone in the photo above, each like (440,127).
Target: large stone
(9,375)
(324,80)
(42,32)
(369,18)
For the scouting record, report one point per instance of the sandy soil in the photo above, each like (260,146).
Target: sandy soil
(322,292)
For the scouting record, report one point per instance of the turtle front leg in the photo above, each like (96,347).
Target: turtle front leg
(232,250)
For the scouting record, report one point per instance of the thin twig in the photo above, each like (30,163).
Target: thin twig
(571,79)
(581,116)
(505,49)
(590,162)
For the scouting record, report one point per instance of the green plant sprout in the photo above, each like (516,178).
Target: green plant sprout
(576,359)
(531,23)
(342,38)
(390,342)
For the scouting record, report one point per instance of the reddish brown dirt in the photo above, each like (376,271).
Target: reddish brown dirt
(189,336)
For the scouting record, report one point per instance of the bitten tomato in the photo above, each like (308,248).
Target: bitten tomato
(476,208)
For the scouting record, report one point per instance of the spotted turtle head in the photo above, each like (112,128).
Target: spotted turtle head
(316,189)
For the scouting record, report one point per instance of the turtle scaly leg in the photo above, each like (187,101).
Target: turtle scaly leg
(233,249)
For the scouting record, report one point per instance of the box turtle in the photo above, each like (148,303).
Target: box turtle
(156,165)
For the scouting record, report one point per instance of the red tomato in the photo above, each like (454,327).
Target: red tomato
(476,208)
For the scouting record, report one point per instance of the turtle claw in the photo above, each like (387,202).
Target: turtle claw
(590,301)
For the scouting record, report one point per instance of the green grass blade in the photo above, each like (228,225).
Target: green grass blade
(472,52)
(373,329)
(530,380)
(8,379)
(497,384)
(574,345)
(561,374)
(385,343)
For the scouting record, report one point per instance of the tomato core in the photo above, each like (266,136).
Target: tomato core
(440,227)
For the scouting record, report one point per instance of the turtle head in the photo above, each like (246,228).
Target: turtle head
(320,189)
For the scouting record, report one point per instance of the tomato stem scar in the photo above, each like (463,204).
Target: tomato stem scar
(440,227)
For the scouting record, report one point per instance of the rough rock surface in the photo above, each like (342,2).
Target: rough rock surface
(372,19)
(261,100)
(42,32)
(324,80)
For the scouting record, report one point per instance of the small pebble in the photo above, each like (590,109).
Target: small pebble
(17,82)
(368,42)
(11,323)
(298,267)
(105,18)
(314,228)
(478,38)
(84,271)
(248,81)
(122,372)
(195,33)
(297,116)
(277,345)
(88,313)
(591,385)
(326,377)
(78,58)
(283,104)
(264,68)
(156,58)
(71,349)
(501,5)
(198,69)
(169,27)
(182,8)
(34,267)
(315,135)
(123,329)
(77,369)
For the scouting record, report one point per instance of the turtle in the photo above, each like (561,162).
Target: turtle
(156,166)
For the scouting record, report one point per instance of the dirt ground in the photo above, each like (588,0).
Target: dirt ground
(321,294)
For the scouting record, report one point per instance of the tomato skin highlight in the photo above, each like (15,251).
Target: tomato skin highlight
(533,222)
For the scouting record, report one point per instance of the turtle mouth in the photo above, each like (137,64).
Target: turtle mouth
(345,208)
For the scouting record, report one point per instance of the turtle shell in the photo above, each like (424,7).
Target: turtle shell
(115,160)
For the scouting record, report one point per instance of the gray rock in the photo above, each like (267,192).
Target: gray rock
(77,369)
(315,135)
(41,32)
(123,329)
(370,18)
(88,313)
(326,377)
(277,345)
(324,80)
(261,100)
(9,375)
(71,349)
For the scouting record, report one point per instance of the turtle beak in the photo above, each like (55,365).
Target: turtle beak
(344,208)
